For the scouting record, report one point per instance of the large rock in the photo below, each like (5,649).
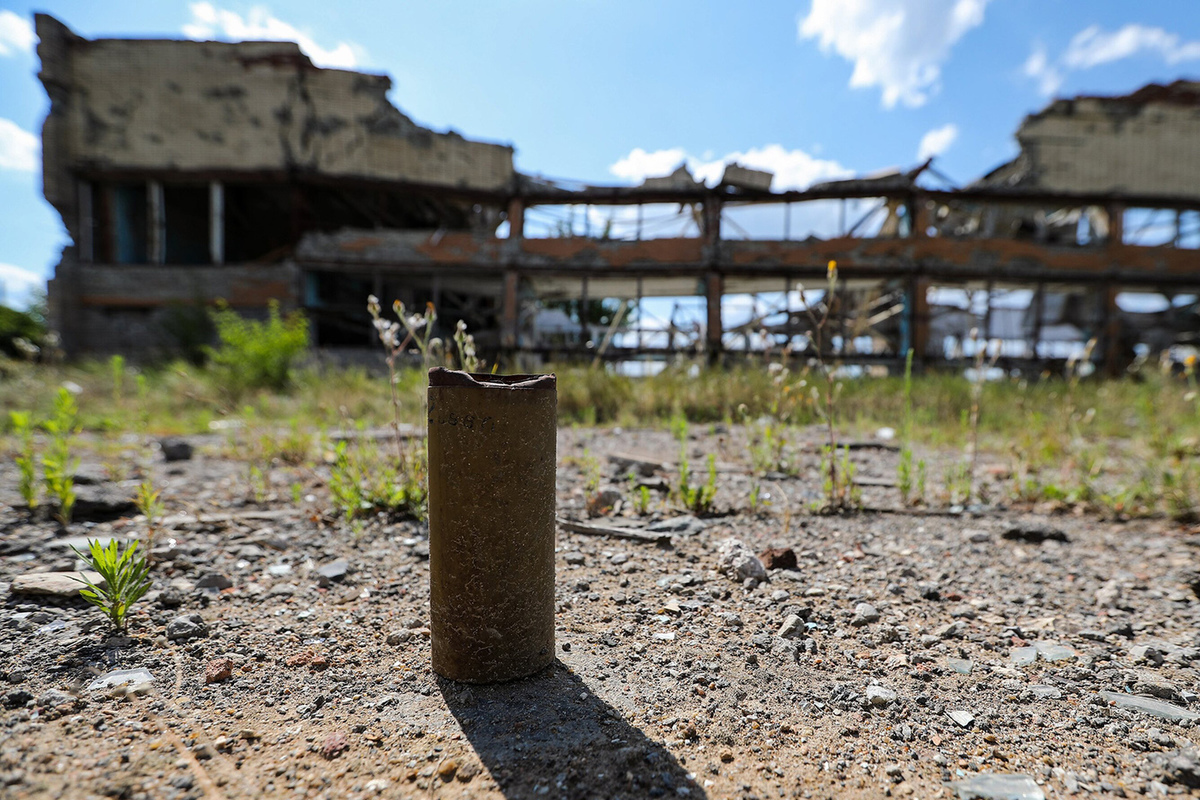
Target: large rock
(864,614)
(187,626)
(1183,766)
(214,580)
(333,571)
(778,558)
(102,502)
(739,562)
(685,525)
(175,449)
(53,584)
(83,543)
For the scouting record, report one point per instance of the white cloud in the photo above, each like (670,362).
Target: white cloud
(209,22)
(1092,47)
(19,149)
(16,284)
(639,164)
(937,141)
(793,169)
(1038,67)
(897,45)
(16,34)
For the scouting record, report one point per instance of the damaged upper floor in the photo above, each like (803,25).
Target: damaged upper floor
(259,117)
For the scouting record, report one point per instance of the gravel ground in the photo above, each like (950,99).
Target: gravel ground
(904,654)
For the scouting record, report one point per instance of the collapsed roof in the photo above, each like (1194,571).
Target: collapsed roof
(144,105)
(1144,143)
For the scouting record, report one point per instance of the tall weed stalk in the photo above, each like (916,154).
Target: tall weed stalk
(905,473)
(58,467)
(22,425)
(839,491)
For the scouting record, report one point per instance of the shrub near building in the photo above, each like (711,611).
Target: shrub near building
(257,355)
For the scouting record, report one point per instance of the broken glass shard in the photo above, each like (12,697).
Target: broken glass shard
(121,677)
(999,787)
(1053,651)
(1148,705)
(1023,656)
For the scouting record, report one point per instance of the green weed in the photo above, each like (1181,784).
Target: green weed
(257,483)
(363,482)
(589,465)
(754,499)
(1181,492)
(922,475)
(679,425)
(58,467)
(839,487)
(639,494)
(255,355)
(698,499)
(125,579)
(958,483)
(905,475)
(151,507)
(840,492)
(117,367)
(22,426)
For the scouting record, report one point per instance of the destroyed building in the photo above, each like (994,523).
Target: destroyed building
(187,172)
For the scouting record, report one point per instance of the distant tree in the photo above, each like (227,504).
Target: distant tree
(28,325)
(38,307)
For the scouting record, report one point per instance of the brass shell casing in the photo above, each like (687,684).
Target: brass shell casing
(492,462)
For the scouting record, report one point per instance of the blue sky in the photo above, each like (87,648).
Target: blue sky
(610,90)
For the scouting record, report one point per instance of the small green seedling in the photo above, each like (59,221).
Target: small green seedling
(22,424)
(126,578)
(151,508)
(639,493)
(58,467)
(698,499)
(116,365)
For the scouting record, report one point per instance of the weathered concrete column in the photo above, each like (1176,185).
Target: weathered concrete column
(492,442)
(509,310)
(919,298)
(1110,326)
(87,229)
(714,289)
(516,218)
(1039,306)
(156,234)
(918,214)
(1116,223)
(216,222)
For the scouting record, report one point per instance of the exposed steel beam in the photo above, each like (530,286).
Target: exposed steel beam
(935,257)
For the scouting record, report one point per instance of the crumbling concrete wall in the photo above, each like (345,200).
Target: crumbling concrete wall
(1142,143)
(146,309)
(123,104)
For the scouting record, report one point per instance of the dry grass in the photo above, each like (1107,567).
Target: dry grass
(1121,444)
